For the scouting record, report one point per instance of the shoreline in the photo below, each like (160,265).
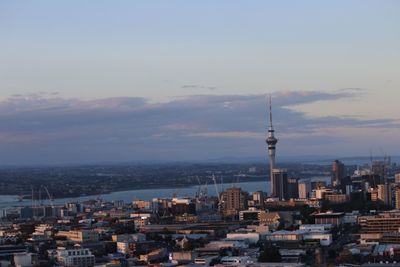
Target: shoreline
(136,188)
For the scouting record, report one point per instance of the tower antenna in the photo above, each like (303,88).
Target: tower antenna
(270,111)
(271,141)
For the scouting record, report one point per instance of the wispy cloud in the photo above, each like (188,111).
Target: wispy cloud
(197,86)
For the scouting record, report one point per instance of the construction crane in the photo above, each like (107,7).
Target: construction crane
(199,187)
(216,188)
(386,163)
(49,196)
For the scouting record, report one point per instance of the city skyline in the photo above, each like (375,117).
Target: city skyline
(200,133)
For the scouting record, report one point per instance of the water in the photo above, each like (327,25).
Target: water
(147,194)
(143,194)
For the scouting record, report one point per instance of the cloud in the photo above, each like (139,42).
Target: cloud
(196,86)
(48,128)
(233,134)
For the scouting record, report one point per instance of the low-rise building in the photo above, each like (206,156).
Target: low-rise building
(23,259)
(139,237)
(75,257)
(381,223)
(80,236)
(324,238)
(154,255)
(335,218)
(237,260)
(249,237)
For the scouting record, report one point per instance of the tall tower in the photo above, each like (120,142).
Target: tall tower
(338,173)
(271,141)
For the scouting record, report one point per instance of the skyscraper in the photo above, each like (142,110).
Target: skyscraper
(385,193)
(397,198)
(337,172)
(279,183)
(304,188)
(271,141)
(233,200)
(292,188)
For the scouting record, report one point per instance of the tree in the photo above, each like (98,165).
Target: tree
(270,254)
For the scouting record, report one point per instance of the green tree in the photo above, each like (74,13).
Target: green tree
(270,254)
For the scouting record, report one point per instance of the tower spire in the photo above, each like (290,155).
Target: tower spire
(270,111)
(271,141)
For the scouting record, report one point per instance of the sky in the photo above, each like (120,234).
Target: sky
(112,81)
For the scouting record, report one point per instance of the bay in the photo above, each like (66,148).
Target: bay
(148,194)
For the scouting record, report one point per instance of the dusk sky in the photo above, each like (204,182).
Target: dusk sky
(112,81)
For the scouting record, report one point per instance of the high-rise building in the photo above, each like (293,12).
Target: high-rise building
(279,183)
(397,178)
(292,188)
(271,141)
(304,188)
(258,199)
(338,172)
(233,200)
(379,168)
(397,198)
(385,194)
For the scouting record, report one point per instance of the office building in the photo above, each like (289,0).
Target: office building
(258,199)
(292,188)
(385,193)
(75,257)
(233,200)
(304,188)
(279,183)
(397,198)
(338,172)
(381,223)
(80,236)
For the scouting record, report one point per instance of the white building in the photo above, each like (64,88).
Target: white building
(237,260)
(75,257)
(316,227)
(304,188)
(324,238)
(250,238)
(23,259)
